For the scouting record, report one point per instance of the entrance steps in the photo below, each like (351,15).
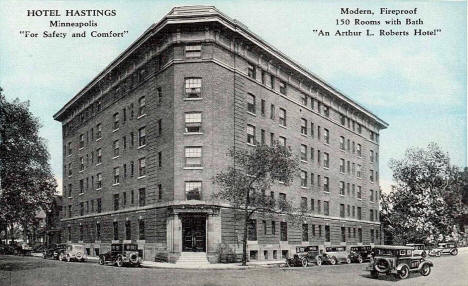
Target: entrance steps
(192,259)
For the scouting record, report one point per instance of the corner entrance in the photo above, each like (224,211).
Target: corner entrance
(194,233)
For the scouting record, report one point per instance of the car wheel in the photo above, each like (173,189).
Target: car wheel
(374,274)
(348,260)
(423,254)
(101,261)
(304,262)
(425,270)
(359,259)
(454,252)
(319,260)
(404,272)
(68,258)
(333,261)
(119,262)
(438,254)
(60,257)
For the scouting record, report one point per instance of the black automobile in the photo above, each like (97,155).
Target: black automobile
(6,249)
(360,253)
(121,254)
(304,256)
(53,251)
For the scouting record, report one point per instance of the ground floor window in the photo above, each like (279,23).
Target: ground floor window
(372,236)
(275,254)
(265,254)
(284,254)
(360,234)
(128,230)
(96,251)
(343,234)
(305,232)
(284,231)
(327,233)
(253,255)
(116,230)
(141,229)
(252,230)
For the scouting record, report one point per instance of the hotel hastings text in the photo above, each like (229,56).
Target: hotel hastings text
(382,22)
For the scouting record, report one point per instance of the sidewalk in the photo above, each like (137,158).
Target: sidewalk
(252,264)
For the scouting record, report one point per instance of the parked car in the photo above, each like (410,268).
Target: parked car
(444,248)
(360,253)
(53,251)
(335,254)
(121,254)
(398,261)
(73,252)
(6,249)
(305,255)
(418,249)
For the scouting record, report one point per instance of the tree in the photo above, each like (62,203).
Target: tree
(26,179)
(425,202)
(244,185)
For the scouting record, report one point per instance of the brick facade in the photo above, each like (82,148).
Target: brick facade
(231,65)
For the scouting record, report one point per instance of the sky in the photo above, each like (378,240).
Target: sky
(418,85)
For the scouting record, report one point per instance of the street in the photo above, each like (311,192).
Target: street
(14,270)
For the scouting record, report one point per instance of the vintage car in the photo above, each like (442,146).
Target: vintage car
(53,251)
(121,254)
(397,260)
(304,256)
(418,249)
(444,248)
(360,253)
(335,254)
(73,252)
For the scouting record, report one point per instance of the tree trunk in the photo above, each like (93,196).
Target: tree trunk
(12,232)
(244,241)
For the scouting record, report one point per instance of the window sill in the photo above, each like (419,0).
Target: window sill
(193,133)
(193,168)
(304,161)
(282,126)
(326,192)
(302,134)
(115,130)
(98,139)
(81,171)
(98,189)
(302,187)
(142,146)
(326,168)
(192,98)
(69,155)
(98,164)
(80,194)
(81,148)
(250,144)
(115,157)
(251,113)
(141,116)
(116,184)
(141,177)
(70,198)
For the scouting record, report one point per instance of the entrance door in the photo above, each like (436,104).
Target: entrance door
(194,234)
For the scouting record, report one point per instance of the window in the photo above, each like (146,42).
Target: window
(326,161)
(142,136)
(342,143)
(116,202)
(327,233)
(70,150)
(282,117)
(273,227)
(358,150)
(342,188)
(141,229)
(264,224)
(359,128)
(252,230)
(343,234)
(371,175)
(160,159)
(81,141)
(371,155)
(141,167)
(262,107)
(318,132)
(353,211)
(304,99)
(305,232)
(312,151)
(193,122)
(342,165)
(263,77)
(116,230)
(304,152)
(272,81)
(193,156)
(116,175)
(251,134)
(348,210)
(251,103)
(371,196)
(142,197)
(193,190)
(82,165)
(326,111)
(98,181)
(342,119)
(326,135)
(282,87)
(160,95)
(116,121)
(98,231)
(81,186)
(359,192)
(81,210)
(326,187)
(358,171)
(342,210)
(98,205)
(283,231)
(303,204)
(319,206)
(359,213)
(303,126)
(251,71)
(116,148)
(371,215)
(360,234)
(372,236)
(159,192)
(326,208)
(303,178)
(282,200)
(128,230)
(272,111)
(192,51)
(349,167)
(262,137)
(193,87)
(124,140)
